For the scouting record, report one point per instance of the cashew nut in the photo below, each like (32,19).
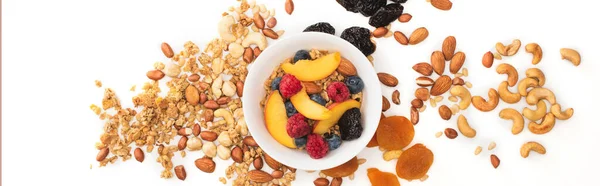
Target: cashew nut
(241,126)
(562,115)
(236,50)
(571,55)
(510,71)
(464,128)
(228,89)
(537,74)
(537,114)
(532,146)
(464,94)
(540,93)
(226,115)
(216,87)
(508,50)
(545,125)
(526,83)
(536,50)
(481,104)
(516,117)
(255,38)
(224,28)
(506,95)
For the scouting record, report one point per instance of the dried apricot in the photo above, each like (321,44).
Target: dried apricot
(379,178)
(343,170)
(414,162)
(373,142)
(395,133)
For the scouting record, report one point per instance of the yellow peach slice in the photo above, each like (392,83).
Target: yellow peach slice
(276,120)
(313,70)
(337,110)
(309,108)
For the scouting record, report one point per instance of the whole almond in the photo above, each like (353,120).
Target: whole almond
(196,129)
(191,95)
(182,143)
(414,115)
(401,38)
(274,164)
(405,17)
(259,176)
(458,81)
(277,174)
(248,55)
(258,163)
(380,32)
(256,51)
(208,135)
(138,154)
(249,140)
(419,35)
(155,75)
(424,81)
(312,88)
(488,59)
(417,103)
(448,47)
(441,85)
(422,94)
(259,22)
(396,97)
(423,68)
(180,172)
(102,154)
(272,22)
(194,77)
(270,33)
(203,98)
(495,160)
(450,133)
(223,100)
(437,62)
(385,104)
(239,88)
(346,68)
(237,154)
(289,6)
(205,164)
(457,62)
(445,112)
(166,49)
(321,182)
(211,104)
(442,4)
(387,79)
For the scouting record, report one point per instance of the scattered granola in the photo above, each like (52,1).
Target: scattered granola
(98,83)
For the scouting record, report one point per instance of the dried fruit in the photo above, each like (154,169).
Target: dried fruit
(414,162)
(343,170)
(324,27)
(361,38)
(378,178)
(369,7)
(385,15)
(419,35)
(448,47)
(349,124)
(350,5)
(395,133)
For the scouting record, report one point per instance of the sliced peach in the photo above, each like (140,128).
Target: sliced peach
(313,70)
(337,110)
(309,108)
(276,120)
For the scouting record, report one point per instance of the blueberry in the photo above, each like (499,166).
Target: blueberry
(300,142)
(275,83)
(317,98)
(354,84)
(333,140)
(290,109)
(301,55)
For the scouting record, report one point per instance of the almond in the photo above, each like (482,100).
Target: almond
(272,22)
(418,36)
(380,32)
(312,88)
(249,140)
(196,129)
(488,59)
(387,79)
(448,47)
(424,81)
(182,143)
(385,104)
(458,81)
(289,6)
(102,154)
(423,68)
(495,161)
(167,50)
(450,133)
(194,77)
(211,104)
(346,68)
(274,164)
(270,33)
(457,62)
(405,17)
(277,174)
(223,100)
(438,63)
(239,88)
(191,95)
(138,154)
(259,22)
(422,94)
(180,172)
(237,154)
(155,75)
(258,163)
(417,103)
(208,135)
(441,85)
(396,97)
(414,115)
(321,182)
(401,38)
(205,164)
(248,55)
(445,112)
(442,4)
(256,51)
(259,176)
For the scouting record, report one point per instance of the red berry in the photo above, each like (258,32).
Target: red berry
(289,86)
(316,146)
(297,126)
(338,92)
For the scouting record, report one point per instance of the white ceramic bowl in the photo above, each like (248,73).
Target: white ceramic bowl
(254,92)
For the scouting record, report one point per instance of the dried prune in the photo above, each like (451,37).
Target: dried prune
(378,178)
(349,124)
(384,16)
(369,7)
(399,1)
(414,162)
(359,37)
(395,133)
(342,170)
(350,5)
(321,27)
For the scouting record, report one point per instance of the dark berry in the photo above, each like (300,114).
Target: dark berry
(350,5)
(361,38)
(355,84)
(301,55)
(369,7)
(297,126)
(386,15)
(338,92)
(349,124)
(300,142)
(317,98)
(333,140)
(321,27)
(290,109)
(289,85)
(399,1)
(275,83)
(316,146)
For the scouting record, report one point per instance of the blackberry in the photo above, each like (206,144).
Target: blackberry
(321,27)
(359,37)
(349,123)
(386,15)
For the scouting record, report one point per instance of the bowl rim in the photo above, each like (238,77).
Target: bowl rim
(260,61)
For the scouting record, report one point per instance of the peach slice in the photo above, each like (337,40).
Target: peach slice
(309,108)
(313,70)
(337,110)
(276,120)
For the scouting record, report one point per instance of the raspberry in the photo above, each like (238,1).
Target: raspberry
(316,146)
(338,92)
(296,126)
(289,86)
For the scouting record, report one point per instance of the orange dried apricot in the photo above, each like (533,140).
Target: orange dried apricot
(395,133)
(414,162)
(343,170)
(373,142)
(378,178)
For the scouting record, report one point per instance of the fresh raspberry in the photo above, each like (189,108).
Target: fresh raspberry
(316,146)
(289,86)
(296,126)
(338,92)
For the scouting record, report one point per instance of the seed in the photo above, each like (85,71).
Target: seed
(422,109)
(438,134)
(468,84)
(458,75)
(452,98)
(465,72)
(432,102)
(439,98)
(477,150)
(424,178)
(492,145)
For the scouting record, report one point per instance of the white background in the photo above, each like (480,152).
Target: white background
(54,50)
